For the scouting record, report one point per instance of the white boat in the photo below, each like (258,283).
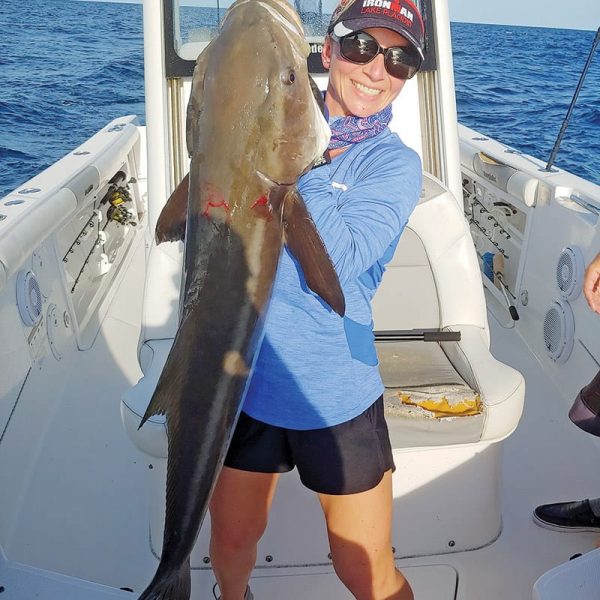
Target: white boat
(88,310)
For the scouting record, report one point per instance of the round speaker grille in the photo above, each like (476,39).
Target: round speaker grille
(29,298)
(559,331)
(570,270)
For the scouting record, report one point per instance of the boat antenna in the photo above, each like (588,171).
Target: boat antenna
(563,128)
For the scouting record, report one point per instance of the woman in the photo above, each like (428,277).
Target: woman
(315,397)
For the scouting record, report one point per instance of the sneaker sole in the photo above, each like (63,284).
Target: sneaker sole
(540,523)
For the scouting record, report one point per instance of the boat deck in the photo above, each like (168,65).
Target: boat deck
(94,524)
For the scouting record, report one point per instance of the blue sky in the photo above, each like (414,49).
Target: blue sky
(573,14)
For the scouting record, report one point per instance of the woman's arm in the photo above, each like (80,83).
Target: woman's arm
(371,213)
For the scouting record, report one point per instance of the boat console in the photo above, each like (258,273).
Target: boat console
(432,282)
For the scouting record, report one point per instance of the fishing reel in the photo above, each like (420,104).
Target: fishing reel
(118,197)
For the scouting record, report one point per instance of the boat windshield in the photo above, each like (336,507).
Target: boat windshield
(196,22)
(191,24)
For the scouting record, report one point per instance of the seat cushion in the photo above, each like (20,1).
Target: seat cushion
(427,403)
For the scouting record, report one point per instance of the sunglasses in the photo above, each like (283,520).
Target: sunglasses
(360,48)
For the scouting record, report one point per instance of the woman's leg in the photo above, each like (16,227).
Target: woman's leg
(359,528)
(239,510)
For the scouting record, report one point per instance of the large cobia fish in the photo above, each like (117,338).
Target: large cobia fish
(253,128)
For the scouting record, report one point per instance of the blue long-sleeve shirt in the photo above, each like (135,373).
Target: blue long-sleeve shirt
(316,369)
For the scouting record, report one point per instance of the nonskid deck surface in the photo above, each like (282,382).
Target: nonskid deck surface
(432,582)
(21,581)
(86,510)
(547,459)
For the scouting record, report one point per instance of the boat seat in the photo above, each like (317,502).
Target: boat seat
(433,281)
(405,366)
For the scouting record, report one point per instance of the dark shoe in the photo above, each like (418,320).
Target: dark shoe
(567,516)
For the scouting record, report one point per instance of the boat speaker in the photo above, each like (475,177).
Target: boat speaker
(570,270)
(559,331)
(29,298)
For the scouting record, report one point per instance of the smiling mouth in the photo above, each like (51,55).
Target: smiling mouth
(366,90)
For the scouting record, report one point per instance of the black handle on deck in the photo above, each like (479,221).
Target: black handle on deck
(417,335)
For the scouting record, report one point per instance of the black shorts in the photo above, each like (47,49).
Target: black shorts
(344,459)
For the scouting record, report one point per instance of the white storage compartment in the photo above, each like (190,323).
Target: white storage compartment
(578,579)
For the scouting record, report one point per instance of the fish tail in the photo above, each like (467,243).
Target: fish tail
(175,585)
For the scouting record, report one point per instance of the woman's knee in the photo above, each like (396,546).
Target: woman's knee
(239,508)
(233,534)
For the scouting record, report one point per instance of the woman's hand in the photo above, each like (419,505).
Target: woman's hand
(591,284)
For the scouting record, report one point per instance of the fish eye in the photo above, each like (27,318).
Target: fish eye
(288,77)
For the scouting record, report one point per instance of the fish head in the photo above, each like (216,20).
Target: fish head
(299,132)
(267,90)
(295,130)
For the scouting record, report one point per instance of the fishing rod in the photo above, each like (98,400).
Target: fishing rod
(563,128)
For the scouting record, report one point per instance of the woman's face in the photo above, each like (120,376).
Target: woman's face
(361,90)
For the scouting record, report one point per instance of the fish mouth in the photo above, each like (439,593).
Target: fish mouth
(271,182)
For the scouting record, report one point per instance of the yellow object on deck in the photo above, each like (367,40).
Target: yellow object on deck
(441,406)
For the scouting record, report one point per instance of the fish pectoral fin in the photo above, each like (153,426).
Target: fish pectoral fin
(305,243)
(171,223)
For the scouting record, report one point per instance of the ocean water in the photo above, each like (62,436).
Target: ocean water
(515,84)
(68,67)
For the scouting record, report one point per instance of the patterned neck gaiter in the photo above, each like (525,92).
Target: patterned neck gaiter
(350,130)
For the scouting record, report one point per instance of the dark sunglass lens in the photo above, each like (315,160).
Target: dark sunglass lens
(400,70)
(359,48)
(401,63)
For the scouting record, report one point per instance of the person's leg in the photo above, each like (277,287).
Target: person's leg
(239,510)
(241,501)
(359,528)
(585,412)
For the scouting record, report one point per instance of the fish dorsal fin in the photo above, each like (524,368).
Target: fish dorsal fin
(171,223)
(305,243)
